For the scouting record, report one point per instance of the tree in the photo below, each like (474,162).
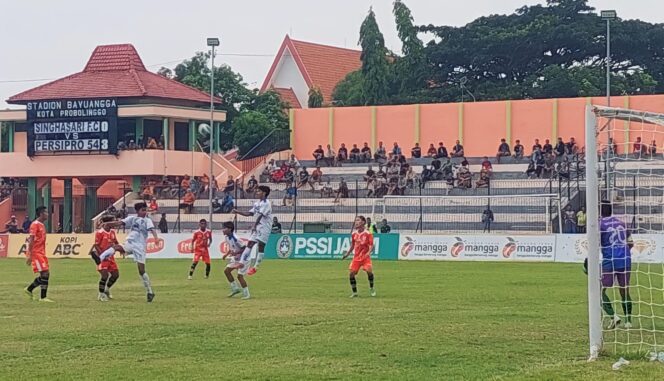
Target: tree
(349,92)
(409,69)
(374,62)
(270,105)
(315,97)
(250,128)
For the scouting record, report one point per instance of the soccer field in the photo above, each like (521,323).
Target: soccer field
(430,321)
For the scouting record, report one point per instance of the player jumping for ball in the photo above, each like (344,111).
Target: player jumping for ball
(238,260)
(361,245)
(136,242)
(105,239)
(36,255)
(201,242)
(260,232)
(616,242)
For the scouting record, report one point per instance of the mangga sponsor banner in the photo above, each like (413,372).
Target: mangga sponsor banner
(326,246)
(648,248)
(477,247)
(177,245)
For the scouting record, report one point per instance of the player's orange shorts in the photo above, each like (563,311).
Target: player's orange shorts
(202,255)
(109,265)
(364,264)
(39,263)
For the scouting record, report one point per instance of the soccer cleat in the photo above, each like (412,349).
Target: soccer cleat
(108,294)
(102,297)
(372,292)
(615,321)
(246,297)
(354,295)
(206,277)
(628,325)
(190,277)
(252,271)
(150,297)
(28,294)
(46,300)
(233,293)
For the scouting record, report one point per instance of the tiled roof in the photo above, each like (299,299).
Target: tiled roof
(288,96)
(113,71)
(321,65)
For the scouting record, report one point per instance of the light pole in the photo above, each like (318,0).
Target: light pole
(211,42)
(608,15)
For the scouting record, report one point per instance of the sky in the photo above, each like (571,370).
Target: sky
(42,40)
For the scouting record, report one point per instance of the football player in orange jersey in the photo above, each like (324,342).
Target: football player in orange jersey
(104,239)
(200,243)
(361,245)
(36,255)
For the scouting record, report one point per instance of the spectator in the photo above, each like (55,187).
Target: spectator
(370,177)
(153,206)
(571,148)
(152,143)
(26,224)
(163,224)
(537,145)
(271,167)
(612,146)
(366,153)
(442,151)
(381,154)
(291,194)
(431,152)
(227,203)
(536,164)
(216,206)
(486,164)
(457,151)
(205,183)
(487,219)
(639,148)
(122,146)
(289,176)
(276,226)
(148,192)
(317,176)
(185,183)
(503,150)
(342,154)
(653,149)
(396,151)
(464,178)
(230,185)
(161,144)
(188,201)
(330,156)
(293,163)
(485,178)
(384,227)
(371,227)
(326,190)
(304,179)
(342,191)
(252,184)
(410,177)
(131,145)
(549,165)
(355,154)
(140,143)
(319,154)
(547,148)
(581,220)
(560,148)
(518,150)
(416,152)
(569,226)
(11,227)
(563,169)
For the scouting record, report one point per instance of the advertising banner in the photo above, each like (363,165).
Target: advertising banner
(477,248)
(326,246)
(648,248)
(4,245)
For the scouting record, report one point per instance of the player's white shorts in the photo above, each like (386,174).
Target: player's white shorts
(240,263)
(260,236)
(137,251)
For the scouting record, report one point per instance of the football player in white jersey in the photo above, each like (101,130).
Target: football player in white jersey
(260,232)
(236,261)
(136,243)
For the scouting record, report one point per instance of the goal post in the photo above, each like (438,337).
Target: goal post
(624,169)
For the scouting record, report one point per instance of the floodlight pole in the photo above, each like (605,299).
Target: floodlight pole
(211,42)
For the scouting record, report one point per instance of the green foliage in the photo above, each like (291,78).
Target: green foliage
(270,105)
(348,92)
(4,136)
(408,71)
(374,62)
(315,97)
(250,127)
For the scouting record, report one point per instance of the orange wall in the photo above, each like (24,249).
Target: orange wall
(484,124)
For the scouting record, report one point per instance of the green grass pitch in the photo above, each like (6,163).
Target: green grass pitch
(430,321)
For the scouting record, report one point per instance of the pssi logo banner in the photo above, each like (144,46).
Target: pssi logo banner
(326,246)
(57,245)
(477,248)
(4,245)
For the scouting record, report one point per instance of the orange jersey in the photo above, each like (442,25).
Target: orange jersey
(38,234)
(200,240)
(362,242)
(105,239)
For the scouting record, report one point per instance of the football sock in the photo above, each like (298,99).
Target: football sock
(234,286)
(35,283)
(627,307)
(193,267)
(102,284)
(245,291)
(353,283)
(111,282)
(43,282)
(207,269)
(146,283)
(606,304)
(371,280)
(259,259)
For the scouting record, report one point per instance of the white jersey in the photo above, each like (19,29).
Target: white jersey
(235,246)
(263,208)
(138,230)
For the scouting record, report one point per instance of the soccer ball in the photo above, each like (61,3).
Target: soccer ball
(204,129)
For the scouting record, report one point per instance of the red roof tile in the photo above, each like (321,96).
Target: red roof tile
(288,96)
(321,65)
(113,71)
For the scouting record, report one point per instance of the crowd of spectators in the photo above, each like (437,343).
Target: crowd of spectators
(141,143)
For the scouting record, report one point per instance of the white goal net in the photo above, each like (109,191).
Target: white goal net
(625,180)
